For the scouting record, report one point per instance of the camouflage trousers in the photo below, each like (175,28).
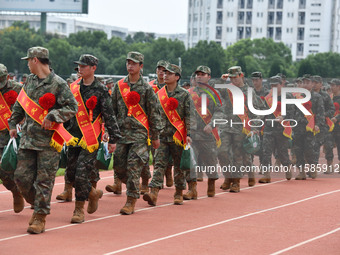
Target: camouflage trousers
(206,156)
(94,176)
(80,165)
(35,175)
(304,147)
(6,176)
(278,141)
(232,157)
(328,146)
(161,162)
(319,141)
(129,160)
(336,136)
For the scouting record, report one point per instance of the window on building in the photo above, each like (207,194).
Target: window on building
(194,32)
(218,32)
(315,20)
(248,32)
(201,16)
(219,17)
(270,18)
(315,29)
(314,36)
(195,17)
(278,34)
(189,18)
(279,4)
(301,33)
(189,32)
(271,4)
(240,31)
(241,4)
(240,17)
(220,4)
(207,33)
(190,3)
(270,32)
(301,20)
(302,4)
(315,13)
(299,51)
(249,17)
(258,14)
(316,4)
(207,18)
(279,18)
(250,4)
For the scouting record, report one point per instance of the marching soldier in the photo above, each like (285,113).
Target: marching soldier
(175,102)
(205,138)
(335,86)
(307,127)
(45,102)
(137,110)
(9,90)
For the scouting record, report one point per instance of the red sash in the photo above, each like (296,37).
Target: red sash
(137,111)
(244,117)
(36,112)
(206,118)
(89,130)
(154,86)
(330,124)
(180,137)
(5,113)
(287,131)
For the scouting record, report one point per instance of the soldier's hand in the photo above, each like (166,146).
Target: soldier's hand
(106,137)
(156,143)
(208,129)
(111,147)
(225,76)
(189,140)
(13,133)
(46,124)
(334,120)
(317,129)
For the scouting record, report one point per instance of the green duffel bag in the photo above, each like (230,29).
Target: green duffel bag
(9,155)
(103,157)
(63,157)
(188,159)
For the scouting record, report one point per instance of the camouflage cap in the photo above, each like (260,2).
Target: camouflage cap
(174,69)
(307,77)
(87,60)
(25,75)
(234,71)
(335,82)
(135,56)
(109,80)
(256,75)
(316,78)
(281,75)
(162,63)
(11,74)
(275,80)
(3,70)
(186,84)
(290,85)
(203,69)
(38,52)
(69,80)
(299,79)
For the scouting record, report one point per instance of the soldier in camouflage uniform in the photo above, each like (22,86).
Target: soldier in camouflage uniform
(132,149)
(203,141)
(335,86)
(37,160)
(304,141)
(274,134)
(325,133)
(7,176)
(168,146)
(81,161)
(231,152)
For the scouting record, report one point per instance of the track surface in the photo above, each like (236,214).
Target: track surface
(283,217)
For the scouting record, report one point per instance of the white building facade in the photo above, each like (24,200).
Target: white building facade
(305,26)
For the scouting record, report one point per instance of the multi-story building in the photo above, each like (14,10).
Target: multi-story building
(305,26)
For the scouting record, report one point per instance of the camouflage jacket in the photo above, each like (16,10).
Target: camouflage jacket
(10,85)
(318,111)
(262,93)
(217,113)
(274,126)
(131,129)
(103,106)
(329,108)
(185,111)
(159,85)
(336,99)
(230,117)
(33,136)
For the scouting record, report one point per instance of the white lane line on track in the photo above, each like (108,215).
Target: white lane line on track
(221,222)
(142,209)
(56,184)
(305,242)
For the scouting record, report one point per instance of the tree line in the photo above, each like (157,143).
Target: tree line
(252,55)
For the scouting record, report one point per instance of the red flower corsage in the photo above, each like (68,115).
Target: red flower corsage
(91,104)
(10,97)
(132,100)
(46,102)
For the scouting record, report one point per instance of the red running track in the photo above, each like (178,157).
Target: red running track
(283,217)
